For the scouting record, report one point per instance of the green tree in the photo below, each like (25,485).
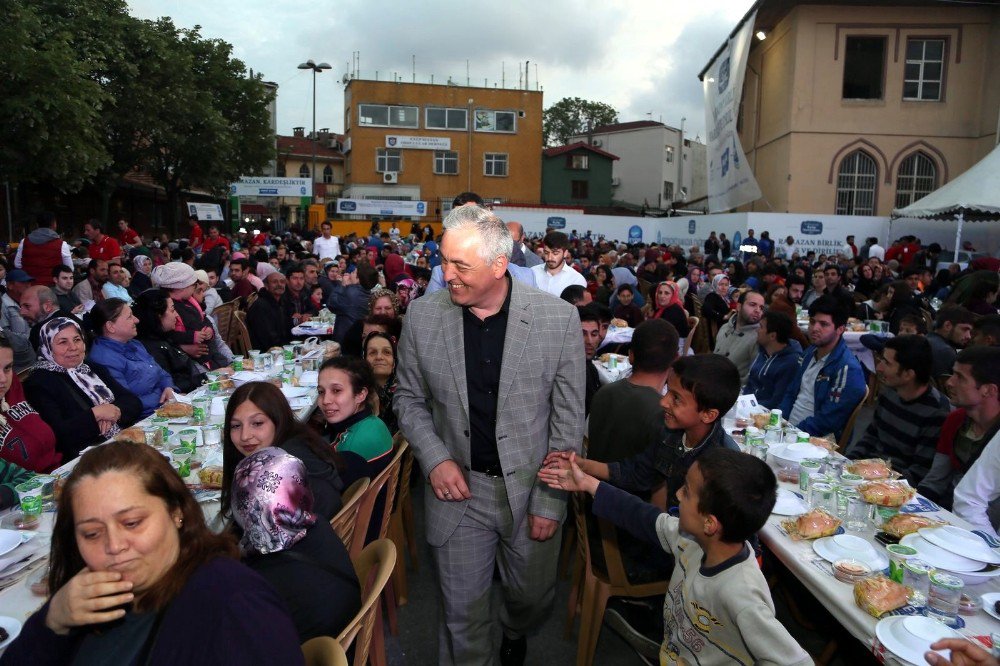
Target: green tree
(572,116)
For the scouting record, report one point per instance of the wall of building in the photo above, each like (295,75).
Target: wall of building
(557,179)
(523,147)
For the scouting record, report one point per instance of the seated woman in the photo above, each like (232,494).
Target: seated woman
(25,439)
(82,403)
(125,358)
(346,390)
(193,332)
(157,320)
(716,306)
(296,551)
(380,352)
(136,577)
(258,416)
(665,303)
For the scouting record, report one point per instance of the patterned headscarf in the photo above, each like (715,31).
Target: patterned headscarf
(271,501)
(82,375)
(142,263)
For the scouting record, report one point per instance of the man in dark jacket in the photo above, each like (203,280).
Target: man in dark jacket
(268,320)
(776,362)
(349,299)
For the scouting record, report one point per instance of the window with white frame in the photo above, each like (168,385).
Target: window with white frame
(446,162)
(668,152)
(446,119)
(581,162)
(916,178)
(304,171)
(495,121)
(924,73)
(328,174)
(856,180)
(388,159)
(385,115)
(495,164)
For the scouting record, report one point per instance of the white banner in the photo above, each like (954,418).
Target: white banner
(206,212)
(730,181)
(417,142)
(266,186)
(381,207)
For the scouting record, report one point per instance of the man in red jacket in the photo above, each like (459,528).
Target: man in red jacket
(42,250)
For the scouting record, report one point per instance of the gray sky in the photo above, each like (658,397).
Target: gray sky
(640,56)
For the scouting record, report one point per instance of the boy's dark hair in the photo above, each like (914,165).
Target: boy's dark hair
(394,325)
(916,322)
(913,352)
(780,324)
(988,325)
(573,294)
(625,287)
(367,276)
(829,305)
(985,362)
(654,345)
(713,379)
(556,240)
(795,279)
(738,489)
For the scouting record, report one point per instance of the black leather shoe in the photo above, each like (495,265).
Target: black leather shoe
(512,651)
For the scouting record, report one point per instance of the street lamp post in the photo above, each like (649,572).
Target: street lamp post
(316,69)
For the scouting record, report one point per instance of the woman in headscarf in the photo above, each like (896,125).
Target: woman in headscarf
(81,402)
(665,303)
(140,280)
(298,553)
(716,306)
(380,351)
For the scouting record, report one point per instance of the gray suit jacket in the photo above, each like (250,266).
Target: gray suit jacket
(539,405)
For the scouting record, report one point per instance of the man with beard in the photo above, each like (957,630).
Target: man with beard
(952,332)
(737,339)
(555,274)
(268,320)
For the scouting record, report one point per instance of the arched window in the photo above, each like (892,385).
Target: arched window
(328,174)
(856,181)
(304,171)
(916,178)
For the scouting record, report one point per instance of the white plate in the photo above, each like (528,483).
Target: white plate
(910,636)
(977,577)
(9,540)
(789,504)
(12,626)
(245,376)
(938,557)
(292,392)
(846,546)
(796,452)
(988,601)
(961,542)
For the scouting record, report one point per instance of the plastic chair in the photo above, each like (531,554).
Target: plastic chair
(223,315)
(598,586)
(845,436)
(402,530)
(692,327)
(345,523)
(324,651)
(374,568)
(240,334)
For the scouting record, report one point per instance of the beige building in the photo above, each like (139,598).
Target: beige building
(295,160)
(861,107)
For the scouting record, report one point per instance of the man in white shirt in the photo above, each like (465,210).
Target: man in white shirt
(876,251)
(555,274)
(326,246)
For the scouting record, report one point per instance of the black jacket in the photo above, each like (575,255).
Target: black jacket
(269,322)
(185,373)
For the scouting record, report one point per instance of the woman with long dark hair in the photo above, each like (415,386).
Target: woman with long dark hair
(157,320)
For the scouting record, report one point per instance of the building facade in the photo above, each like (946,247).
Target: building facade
(577,174)
(428,142)
(657,167)
(857,108)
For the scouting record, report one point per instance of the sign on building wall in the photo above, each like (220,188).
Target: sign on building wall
(206,212)
(267,186)
(417,142)
(730,181)
(381,207)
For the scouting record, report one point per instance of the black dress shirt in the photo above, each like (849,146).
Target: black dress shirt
(484,340)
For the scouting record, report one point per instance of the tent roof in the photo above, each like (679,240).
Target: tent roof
(977,192)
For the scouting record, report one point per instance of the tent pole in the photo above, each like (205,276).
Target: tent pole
(958,234)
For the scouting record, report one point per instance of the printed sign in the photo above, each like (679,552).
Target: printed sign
(417,142)
(382,207)
(206,212)
(555,223)
(266,186)
(635,234)
(811,228)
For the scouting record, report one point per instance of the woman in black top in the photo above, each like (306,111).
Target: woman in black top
(157,319)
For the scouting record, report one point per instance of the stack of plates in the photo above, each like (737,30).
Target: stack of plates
(848,547)
(789,503)
(16,552)
(956,550)
(796,452)
(910,636)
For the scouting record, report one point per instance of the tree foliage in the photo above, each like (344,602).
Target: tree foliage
(572,116)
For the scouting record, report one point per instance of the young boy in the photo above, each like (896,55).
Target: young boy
(718,609)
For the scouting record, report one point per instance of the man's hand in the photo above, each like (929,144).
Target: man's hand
(542,529)
(168,394)
(557,460)
(570,478)
(448,482)
(963,653)
(196,350)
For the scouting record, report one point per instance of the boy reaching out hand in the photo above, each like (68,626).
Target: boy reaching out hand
(718,608)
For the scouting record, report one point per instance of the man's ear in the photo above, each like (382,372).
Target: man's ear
(709,415)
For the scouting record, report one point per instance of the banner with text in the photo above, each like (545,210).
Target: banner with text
(730,180)
(206,212)
(267,186)
(381,207)
(418,142)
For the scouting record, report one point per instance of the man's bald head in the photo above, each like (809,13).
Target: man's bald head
(516,231)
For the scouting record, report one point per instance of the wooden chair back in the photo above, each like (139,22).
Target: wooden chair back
(387,478)
(223,315)
(845,436)
(239,341)
(374,567)
(345,523)
(324,651)
(692,330)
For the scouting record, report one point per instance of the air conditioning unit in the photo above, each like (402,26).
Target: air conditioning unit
(616,181)
(390,177)
(597,143)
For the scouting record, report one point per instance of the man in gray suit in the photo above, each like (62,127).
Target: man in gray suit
(491,379)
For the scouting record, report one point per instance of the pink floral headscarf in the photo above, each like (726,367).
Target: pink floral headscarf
(271,501)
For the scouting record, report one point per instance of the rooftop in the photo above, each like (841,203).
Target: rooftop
(560,150)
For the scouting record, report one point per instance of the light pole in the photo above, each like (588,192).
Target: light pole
(316,69)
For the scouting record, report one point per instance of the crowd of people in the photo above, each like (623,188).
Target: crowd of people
(481,347)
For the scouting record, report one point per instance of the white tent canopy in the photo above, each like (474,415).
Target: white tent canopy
(975,191)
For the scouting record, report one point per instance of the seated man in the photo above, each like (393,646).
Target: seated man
(737,339)
(590,326)
(986,331)
(829,383)
(909,413)
(268,319)
(776,362)
(974,389)
(977,495)
(952,331)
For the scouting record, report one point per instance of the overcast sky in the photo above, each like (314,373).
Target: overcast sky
(640,56)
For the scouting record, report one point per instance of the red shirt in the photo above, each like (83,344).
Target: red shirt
(128,237)
(25,439)
(196,236)
(210,243)
(107,249)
